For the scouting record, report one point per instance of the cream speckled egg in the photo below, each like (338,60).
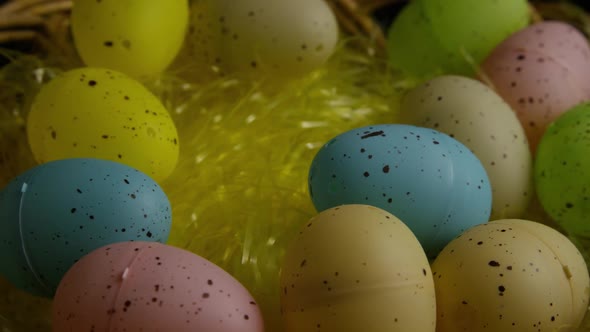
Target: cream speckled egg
(510,275)
(476,116)
(254,36)
(357,268)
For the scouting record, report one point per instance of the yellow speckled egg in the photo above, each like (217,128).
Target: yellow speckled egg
(283,37)
(100,113)
(137,37)
(510,275)
(357,268)
(476,116)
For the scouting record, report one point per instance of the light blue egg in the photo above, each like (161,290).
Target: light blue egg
(55,213)
(429,180)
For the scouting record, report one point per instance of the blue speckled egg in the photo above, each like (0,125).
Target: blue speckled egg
(427,179)
(55,213)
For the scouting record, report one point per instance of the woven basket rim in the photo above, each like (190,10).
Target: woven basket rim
(46,22)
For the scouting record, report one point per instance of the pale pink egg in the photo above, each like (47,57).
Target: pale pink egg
(144,286)
(560,41)
(541,71)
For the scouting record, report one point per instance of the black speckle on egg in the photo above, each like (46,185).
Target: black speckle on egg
(373,134)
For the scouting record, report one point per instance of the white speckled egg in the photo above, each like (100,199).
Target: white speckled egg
(476,116)
(510,275)
(357,268)
(254,36)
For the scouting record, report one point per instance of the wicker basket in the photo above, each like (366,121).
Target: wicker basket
(42,27)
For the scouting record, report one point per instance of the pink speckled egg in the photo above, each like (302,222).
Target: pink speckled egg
(143,286)
(541,71)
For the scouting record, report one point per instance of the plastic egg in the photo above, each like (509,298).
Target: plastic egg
(139,286)
(55,213)
(475,27)
(137,37)
(562,170)
(100,113)
(510,275)
(451,36)
(541,71)
(412,30)
(476,116)
(429,180)
(261,36)
(357,268)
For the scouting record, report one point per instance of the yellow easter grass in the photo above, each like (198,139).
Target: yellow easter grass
(239,191)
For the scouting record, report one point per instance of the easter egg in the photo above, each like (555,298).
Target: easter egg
(55,213)
(451,36)
(137,37)
(510,275)
(475,27)
(412,30)
(541,71)
(562,175)
(139,286)
(427,179)
(100,113)
(476,116)
(357,268)
(280,37)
